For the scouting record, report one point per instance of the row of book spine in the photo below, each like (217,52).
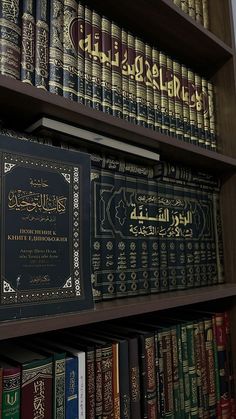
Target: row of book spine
(153,230)
(173,366)
(71,50)
(196,9)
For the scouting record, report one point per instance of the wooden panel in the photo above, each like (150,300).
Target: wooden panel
(220,13)
(116,309)
(22,104)
(224,81)
(165,25)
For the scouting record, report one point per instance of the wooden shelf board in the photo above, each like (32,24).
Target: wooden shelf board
(170,29)
(115,309)
(22,105)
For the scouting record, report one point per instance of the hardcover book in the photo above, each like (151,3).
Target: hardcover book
(44,220)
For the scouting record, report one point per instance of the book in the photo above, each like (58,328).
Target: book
(1,374)
(106,66)
(148,80)
(10,390)
(78,30)
(138,64)
(88,86)
(10,38)
(42,211)
(156,89)
(28,42)
(192,9)
(134,96)
(171,94)
(165,124)
(36,380)
(199,11)
(205,14)
(42,45)
(56,48)
(70,57)
(116,49)
(71,387)
(177,76)
(96,61)
(125,75)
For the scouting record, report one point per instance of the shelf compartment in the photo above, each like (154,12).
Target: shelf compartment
(21,105)
(115,309)
(170,29)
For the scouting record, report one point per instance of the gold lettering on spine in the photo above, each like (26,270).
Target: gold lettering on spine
(212,116)
(116,70)
(96,64)
(149,86)
(205,14)
(191,9)
(133,76)
(156,89)
(106,66)
(125,79)
(199,109)
(206,119)
(42,45)
(192,106)
(81,55)
(28,44)
(171,94)
(178,102)
(139,76)
(165,125)
(86,45)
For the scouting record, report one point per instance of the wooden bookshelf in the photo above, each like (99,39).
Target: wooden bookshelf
(210,53)
(115,309)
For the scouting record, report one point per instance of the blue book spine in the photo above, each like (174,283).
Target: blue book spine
(71,388)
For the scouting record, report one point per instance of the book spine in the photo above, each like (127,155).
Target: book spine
(71,399)
(98,384)
(211,104)
(28,42)
(204,371)
(185,101)
(175,368)
(192,108)
(156,89)
(171,95)
(125,75)
(217,246)
(180,370)
(206,117)
(210,367)
(81,385)
(198,361)
(116,48)
(124,380)
(116,380)
(88,87)
(184,6)
(199,110)
(168,374)
(36,389)
(141,88)
(80,52)
(56,47)
(177,2)
(10,38)
(230,364)
(133,85)
(220,336)
(42,45)
(205,14)
(11,393)
(90,384)
(59,387)
(107,383)
(143,377)
(148,81)
(135,407)
(165,126)
(216,363)
(96,61)
(151,377)
(192,371)
(70,80)
(192,9)
(177,75)
(184,343)
(199,11)
(106,67)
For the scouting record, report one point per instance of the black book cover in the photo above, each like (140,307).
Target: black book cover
(45,230)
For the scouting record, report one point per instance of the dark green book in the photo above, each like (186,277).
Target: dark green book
(42,45)
(56,47)
(116,51)
(141,88)
(10,38)
(70,60)
(106,66)
(88,84)
(96,37)
(28,42)
(125,75)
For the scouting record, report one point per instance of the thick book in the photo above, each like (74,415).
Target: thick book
(10,390)
(70,60)
(42,45)
(56,47)
(45,218)
(36,380)
(28,42)
(71,393)
(10,38)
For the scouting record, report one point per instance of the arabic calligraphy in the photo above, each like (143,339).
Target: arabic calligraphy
(38,183)
(29,201)
(141,69)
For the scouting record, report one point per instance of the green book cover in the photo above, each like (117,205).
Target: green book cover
(56,47)
(11,376)
(70,62)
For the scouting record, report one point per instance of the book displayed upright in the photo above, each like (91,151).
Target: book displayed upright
(44,221)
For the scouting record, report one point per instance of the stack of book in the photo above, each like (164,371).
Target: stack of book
(173,366)
(153,229)
(197,9)
(71,50)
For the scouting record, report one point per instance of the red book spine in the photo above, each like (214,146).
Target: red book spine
(107,382)
(151,377)
(36,391)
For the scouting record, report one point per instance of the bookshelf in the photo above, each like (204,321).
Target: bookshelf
(212,54)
